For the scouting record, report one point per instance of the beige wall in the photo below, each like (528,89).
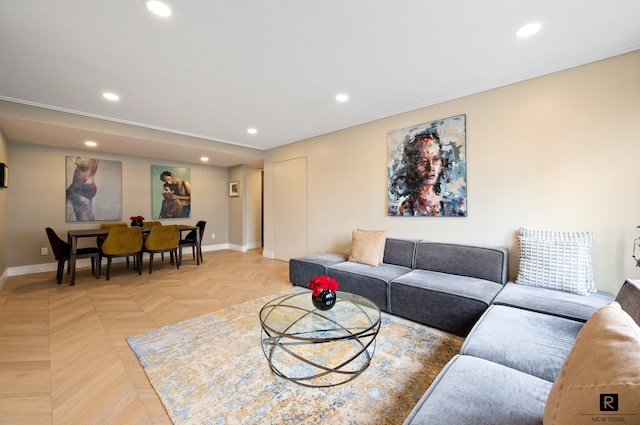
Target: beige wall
(558,152)
(37,198)
(245,225)
(4,205)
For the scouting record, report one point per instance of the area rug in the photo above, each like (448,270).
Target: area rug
(212,370)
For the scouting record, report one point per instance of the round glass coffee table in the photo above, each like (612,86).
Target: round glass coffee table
(318,348)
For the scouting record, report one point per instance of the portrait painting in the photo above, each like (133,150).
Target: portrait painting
(427,169)
(94,189)
(170,192)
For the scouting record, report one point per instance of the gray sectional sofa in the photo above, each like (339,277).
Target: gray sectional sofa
(517,337)
(447,286)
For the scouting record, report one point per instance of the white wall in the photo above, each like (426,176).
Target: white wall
(245,224)
(560,152)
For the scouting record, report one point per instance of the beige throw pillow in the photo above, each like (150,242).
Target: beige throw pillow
(367,246)
(600,378)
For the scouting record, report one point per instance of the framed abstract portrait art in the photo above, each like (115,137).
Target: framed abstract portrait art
(427,169)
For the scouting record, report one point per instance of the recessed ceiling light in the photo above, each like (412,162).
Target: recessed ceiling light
(90,143)
(528,30)
(252,131)
(158,8)
(342,97)
(204,159)
(110,96)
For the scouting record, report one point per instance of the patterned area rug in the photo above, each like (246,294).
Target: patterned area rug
(211,370)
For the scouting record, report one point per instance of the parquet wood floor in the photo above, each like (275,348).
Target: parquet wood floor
(64,359)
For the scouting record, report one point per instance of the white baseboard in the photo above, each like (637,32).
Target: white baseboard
(268,254)
(47,267)
(4,277)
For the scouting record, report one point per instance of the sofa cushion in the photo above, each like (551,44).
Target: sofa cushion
(531,342)
(601,375)
(365,280)
(474,391)
(401,252)
(556,260)
(367,246)
(482,262)
(557,303)
(302,269)
(449,302)
(629,299)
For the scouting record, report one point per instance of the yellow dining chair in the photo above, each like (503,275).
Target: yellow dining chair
(107,226)
(150,224)
(163,239)
(122,242)
(146,227)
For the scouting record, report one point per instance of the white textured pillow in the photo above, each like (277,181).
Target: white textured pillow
(556,260)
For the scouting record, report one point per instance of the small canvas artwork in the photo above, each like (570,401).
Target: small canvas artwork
(427,169)
(94,189)
(170,192)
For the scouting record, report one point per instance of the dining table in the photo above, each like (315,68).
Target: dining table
(74,235)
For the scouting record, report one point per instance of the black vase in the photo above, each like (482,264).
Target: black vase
(136,223)
(325,300)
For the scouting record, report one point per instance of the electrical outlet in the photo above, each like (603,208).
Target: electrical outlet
(213,236)
(44,251)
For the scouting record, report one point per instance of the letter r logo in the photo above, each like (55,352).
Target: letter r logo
(608,402)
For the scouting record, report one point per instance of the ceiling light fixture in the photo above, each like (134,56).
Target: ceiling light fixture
(158,8)
(252,131)
(342,98)
(528,30)
(204,159)
(90,143)
(110,96)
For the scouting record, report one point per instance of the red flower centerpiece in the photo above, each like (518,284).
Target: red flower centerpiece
(324,292)
(136,220)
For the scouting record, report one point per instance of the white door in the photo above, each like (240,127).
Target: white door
(290,208)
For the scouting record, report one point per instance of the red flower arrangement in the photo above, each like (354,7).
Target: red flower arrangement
(322,283)
(136,218)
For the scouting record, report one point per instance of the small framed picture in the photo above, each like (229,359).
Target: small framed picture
(233,189)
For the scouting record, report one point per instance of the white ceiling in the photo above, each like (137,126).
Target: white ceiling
(216,68)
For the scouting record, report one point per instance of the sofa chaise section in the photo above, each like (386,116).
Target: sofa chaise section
(303,269)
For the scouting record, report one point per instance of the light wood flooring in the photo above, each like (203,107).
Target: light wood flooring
(64,358)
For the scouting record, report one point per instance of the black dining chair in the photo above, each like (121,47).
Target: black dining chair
(62,252)
(190,240)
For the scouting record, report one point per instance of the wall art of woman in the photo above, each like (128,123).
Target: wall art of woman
(427,175)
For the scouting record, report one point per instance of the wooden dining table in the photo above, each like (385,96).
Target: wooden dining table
(74,235)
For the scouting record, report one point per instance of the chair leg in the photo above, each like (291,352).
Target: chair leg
(176,255)
(60,271)
(150,262)
(108,267)
(98,267)
(139,256)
